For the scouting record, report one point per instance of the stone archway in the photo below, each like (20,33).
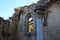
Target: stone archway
(27,16)
(29,35)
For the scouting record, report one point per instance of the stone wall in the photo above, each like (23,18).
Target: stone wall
(15,28)
(4,29)
(54,21)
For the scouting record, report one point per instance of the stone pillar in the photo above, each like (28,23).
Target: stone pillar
(39,30)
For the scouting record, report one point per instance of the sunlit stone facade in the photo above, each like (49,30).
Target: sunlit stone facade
(46,22)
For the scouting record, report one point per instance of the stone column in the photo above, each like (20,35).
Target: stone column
(39,29)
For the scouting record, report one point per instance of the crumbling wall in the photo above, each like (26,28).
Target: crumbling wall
(22,28)
(18,27)
(4,29)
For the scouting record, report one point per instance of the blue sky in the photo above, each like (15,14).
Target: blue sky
(7,6)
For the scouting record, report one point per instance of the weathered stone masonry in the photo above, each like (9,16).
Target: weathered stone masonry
(4,29)
(47,11)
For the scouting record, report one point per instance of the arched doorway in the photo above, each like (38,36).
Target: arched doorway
(29,28)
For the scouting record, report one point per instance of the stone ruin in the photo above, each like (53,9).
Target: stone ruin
(46,21)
